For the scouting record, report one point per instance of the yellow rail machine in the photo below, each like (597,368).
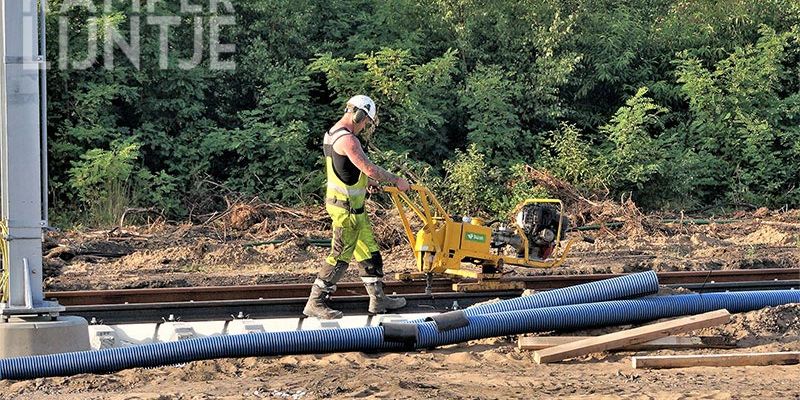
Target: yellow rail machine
(445,242)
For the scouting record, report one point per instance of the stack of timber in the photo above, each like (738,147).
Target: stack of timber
(631,336)
(657,336)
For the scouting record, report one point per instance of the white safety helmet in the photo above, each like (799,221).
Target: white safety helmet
(364,104)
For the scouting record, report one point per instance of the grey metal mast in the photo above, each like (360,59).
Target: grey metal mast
(22,158)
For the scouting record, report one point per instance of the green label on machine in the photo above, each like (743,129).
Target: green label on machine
(475,237)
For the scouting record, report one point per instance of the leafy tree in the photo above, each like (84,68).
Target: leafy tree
(412,98)
(572,158)
(466,89)
(494,127)
(744,120)
(636,155)
(465,183)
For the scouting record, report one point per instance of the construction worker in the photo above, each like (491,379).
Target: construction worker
(349,172)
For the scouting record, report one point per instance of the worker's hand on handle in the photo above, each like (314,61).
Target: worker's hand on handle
(402,184)
(373,186)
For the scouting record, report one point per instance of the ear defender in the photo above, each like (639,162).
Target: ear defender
(359,116)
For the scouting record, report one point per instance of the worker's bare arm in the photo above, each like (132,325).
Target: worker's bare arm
(352,148)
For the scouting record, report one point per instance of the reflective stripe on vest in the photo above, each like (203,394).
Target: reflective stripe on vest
(354,194)
(349,191)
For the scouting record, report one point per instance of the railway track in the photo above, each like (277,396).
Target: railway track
(283,291)
(190,311)
(287,300)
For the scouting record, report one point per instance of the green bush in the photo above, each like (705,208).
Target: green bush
(103,181)
(413,99)
(744,118)
(267,160)
(557,84)
(467,189)
(489,99)
(636,156)
(573,159)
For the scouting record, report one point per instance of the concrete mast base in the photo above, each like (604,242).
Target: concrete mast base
(27,336)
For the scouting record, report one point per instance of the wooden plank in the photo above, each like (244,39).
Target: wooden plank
(669,342)
(631,336)
(717,360)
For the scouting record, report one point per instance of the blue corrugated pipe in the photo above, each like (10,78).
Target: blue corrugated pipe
(627,286)
(372,338)
(369,338)
(600,314)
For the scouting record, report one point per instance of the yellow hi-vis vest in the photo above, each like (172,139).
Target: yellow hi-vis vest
(338,193)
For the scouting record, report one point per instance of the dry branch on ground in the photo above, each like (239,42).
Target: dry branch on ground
(587,208)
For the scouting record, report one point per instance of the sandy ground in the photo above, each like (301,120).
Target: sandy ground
(168,255)
(164,255)
(485,369)
(477,372)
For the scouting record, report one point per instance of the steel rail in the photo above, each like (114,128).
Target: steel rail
(278,291)
(226,310)
(738,286)
(671,278)
(219,293)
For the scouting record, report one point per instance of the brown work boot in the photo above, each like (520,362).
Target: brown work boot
(317,305)
(379,302)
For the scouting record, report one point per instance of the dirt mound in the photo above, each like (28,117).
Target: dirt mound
(296,250)
(703,240)
(711,252)
(208,254)
(231,255)
(149,259)
(769,235)
(771,324)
